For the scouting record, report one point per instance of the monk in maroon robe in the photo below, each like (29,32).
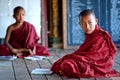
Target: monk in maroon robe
(21,38)
(95,56)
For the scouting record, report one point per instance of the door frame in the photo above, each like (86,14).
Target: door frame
(64,25)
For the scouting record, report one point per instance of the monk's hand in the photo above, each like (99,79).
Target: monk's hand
(26,50)
(34,50)
(23,50)
(30,51)
(16,51)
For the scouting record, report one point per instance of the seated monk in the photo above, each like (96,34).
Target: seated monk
(95,56)
(21,38)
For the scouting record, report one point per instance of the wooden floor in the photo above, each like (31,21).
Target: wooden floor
(20,69)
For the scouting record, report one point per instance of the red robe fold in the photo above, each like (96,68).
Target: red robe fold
(94,58)
(24,37)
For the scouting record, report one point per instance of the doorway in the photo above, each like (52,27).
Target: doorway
(54,14)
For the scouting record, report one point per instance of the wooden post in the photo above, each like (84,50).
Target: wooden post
(64,23)
(44,26)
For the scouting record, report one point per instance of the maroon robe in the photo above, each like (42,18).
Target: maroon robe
(94,58)
(24,37)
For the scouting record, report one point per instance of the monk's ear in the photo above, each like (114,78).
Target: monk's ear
(96,20)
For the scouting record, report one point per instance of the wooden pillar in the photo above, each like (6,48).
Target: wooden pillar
(64,19)
(44,27)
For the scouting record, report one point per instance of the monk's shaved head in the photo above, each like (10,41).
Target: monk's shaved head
(16,9)
(86,12)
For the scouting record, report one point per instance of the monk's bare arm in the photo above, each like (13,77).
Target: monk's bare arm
(7,37)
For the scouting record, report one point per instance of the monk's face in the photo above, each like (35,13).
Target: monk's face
(88,23)
(19,15)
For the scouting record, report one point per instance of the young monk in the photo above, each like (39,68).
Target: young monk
(21,38)
(95,56)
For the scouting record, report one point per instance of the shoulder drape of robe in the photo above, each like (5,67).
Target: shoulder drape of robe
(94,58)
(26,37)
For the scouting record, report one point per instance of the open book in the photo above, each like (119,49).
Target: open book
(41,71)
(36,57)
(8,57)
